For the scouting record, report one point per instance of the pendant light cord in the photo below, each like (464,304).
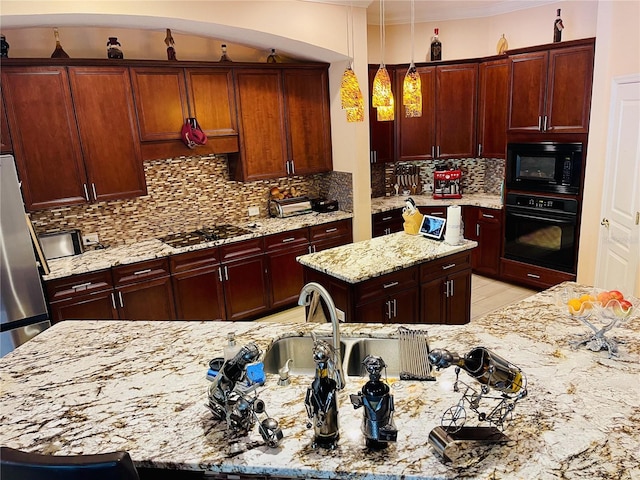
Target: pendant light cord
(412,29)
(382,39)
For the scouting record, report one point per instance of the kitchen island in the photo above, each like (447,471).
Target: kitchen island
(90,387)
(398,278)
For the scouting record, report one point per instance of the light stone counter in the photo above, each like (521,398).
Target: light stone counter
(95,260)
(357,262)
(384,204)
(87,387)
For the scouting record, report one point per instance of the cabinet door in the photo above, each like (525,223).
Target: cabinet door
(246,288)
(46,143)
(212,100)
(569,90)
(97,306)
(457,87)
(286,275)
(384,223)
(493,99)
(380,133)
(161,102)
(433,301)
(263,147)
(5,136)
(151,300)
(199,294)
(416,136)
(376,311)
(306,96)
(526,98)
(106,120)
(459,300)
(405,306)
(489,231)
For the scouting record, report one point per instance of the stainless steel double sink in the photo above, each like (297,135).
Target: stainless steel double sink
(353,352)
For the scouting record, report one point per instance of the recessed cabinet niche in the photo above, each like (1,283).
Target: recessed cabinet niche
(68,145)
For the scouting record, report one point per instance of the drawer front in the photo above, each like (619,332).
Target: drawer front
(286,239)
(184,262)
(333,229)
(140,272)
(246,248)
(434,211)
(531,275)
(489,215)
(75,285)
(386,285)
(445,266)
(390,217)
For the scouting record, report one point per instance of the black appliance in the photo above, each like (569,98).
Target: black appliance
(541,230)
(547,167)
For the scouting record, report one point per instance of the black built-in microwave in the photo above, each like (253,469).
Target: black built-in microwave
(544,167)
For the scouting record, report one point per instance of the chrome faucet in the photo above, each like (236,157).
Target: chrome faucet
(306,295)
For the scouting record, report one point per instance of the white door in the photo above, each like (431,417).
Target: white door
(618,264)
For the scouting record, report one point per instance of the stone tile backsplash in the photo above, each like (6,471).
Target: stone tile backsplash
(185,193)
(479,175)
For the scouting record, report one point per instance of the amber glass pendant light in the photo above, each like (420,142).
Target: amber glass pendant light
(412,87)
(350,93)
(381,95)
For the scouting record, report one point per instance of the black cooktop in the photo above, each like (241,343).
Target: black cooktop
(204,235)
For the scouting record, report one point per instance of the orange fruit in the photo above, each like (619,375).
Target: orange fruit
(587,298)
(574,305)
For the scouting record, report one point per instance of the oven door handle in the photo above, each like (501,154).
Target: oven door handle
(543,219)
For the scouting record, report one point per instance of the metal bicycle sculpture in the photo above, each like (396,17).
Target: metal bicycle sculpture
(493,373)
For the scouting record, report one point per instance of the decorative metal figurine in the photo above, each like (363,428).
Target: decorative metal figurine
(377,420)
(321,400)
(168,40)
(493,373)
(232,396)
(113,48)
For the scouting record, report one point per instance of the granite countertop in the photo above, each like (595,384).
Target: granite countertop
(384,204)
(357,262)
(95,260)
(95,386)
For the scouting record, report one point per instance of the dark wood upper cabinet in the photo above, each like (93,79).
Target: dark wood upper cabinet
(457,93)
(416,136)
(106,122)
(493,107)
(308,122)
(447,127)
(551,90)
(45,141)
(5,137)
(380,133)
(263,146)
(161,102)
(211,100)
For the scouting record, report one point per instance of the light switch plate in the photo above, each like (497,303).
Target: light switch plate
(253,211)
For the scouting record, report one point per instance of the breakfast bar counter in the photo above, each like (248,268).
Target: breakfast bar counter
(96,386)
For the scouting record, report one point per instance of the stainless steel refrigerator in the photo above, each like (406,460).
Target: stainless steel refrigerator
(24,310)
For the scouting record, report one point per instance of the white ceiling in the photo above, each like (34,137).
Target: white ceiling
(399,11)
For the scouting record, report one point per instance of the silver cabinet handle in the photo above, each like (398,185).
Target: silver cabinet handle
(477,229)
(287,240)
(447,267)
(451,289)
(120,298)
(533,275)
(438,214)
(479,149)
(113,301)
(93,189)
(433,151)
(544,124)
(86,192)
(331,230)
(389,285)
(220,273)
(82,285)
(539,123)
(446,286)
(226,273)
(395,308)
(486,215)
(388,303)
(142,272)
(386,218)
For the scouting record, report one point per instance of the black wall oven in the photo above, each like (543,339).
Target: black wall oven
(548,167)
(541,230)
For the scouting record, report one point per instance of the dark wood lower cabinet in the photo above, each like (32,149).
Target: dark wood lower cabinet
(149,300)
(286,276)
(98,306)
(447,299)
(245,288)
(401,307)
(199,294)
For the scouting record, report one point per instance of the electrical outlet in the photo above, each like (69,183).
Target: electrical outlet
(90,239)
(253,211)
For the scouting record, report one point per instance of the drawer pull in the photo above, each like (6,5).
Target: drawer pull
(287,240)
(82,285)
(142,272)
(330,230)
(447,267)
(120,298)
(113,301)
(438,214)
(486,215)
(384,219)
(533,275)
(389,285)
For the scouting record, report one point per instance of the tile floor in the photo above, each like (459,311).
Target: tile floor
(487,295)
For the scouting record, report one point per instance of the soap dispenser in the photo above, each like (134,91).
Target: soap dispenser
(231,348)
